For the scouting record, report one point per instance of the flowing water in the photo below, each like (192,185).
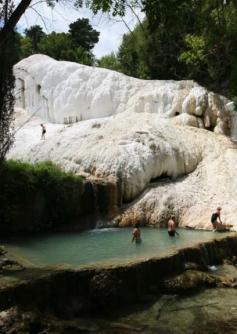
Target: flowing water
(107,246)
(99,221)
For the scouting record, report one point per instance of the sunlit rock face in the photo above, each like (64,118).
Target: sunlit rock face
(65,92)
(148,137)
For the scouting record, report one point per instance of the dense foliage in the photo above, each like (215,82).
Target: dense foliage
(184,39)
(199,39)
(110,61)
(42,192)
(116,7)
(74,46)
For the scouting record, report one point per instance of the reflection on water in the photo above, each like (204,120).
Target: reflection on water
(109,245)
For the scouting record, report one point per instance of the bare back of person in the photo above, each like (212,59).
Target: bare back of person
(172,227)
(136,234)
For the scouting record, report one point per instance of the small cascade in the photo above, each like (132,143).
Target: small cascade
(233,121)
(234,127)
(99,220)
(205,255)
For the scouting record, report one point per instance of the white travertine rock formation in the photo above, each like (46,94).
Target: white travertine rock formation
(192,170)
(136,149)
(65,92)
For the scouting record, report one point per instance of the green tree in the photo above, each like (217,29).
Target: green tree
(9,54)
(83,35)
(26,47)
(110,62)
(34,34)
(60,46)
(56,45)
(210,52)
(83,56)
(116,7)
(133,53)
(185,39)
(74,46)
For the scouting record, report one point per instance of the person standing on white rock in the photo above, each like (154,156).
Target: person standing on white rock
(218,225)
(43,131)
(215,217)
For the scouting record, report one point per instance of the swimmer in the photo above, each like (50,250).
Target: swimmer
(172,227)
(136,234)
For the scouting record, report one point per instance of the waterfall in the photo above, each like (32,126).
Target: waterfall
(205,258)
(99,220)
(234,127)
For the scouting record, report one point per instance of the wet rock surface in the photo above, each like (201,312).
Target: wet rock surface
(8,263)
(189,281)
(211,311)
(104,290)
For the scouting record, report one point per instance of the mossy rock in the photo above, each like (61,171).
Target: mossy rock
(189,281)
(104,290)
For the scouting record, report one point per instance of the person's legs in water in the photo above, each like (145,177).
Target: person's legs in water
(138,241)
(171,233)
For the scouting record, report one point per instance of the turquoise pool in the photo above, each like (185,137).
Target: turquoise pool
(107,246)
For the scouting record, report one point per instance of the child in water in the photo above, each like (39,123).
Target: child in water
(136,234)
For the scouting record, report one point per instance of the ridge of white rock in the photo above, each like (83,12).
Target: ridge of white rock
(135,150)
(65,92)
(138,142)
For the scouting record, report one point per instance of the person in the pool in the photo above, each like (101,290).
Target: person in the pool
(136,234)
(172,227)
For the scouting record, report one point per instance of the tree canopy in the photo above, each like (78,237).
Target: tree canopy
(34,34)
(82,34)
(184,39)
(74,46)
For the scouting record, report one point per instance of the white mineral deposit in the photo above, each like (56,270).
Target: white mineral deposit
(104,124)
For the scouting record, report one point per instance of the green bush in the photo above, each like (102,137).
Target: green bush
(38,197)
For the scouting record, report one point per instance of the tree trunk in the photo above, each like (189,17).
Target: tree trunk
(11,23)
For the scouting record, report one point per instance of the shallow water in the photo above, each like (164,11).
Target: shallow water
(107,246)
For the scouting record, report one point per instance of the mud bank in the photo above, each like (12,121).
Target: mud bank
(81,291)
